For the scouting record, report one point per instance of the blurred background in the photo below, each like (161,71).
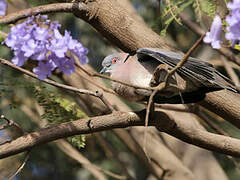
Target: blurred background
(25,100)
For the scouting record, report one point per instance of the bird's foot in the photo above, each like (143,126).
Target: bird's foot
(159,75)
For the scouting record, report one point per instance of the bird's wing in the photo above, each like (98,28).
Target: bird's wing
(195,70)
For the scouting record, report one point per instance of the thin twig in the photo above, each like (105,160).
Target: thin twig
(172,9)
(217,62)
(109,147)
(164,84)
(97,84)
(218,129)
(105,101)
(210,123)
(59,85)
(12,123)
(185,57)
(51,82)
(21,166)
(44,9)
(230,71)
(171,107)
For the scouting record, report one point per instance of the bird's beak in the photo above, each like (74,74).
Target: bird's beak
(104,69)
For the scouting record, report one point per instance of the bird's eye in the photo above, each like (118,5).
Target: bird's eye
(115,60)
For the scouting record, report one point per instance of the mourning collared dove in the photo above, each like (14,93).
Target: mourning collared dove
(189,84)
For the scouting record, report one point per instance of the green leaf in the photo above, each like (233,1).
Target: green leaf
(209,7)
(171,11)
(58,109)
(77,141)
(197,9)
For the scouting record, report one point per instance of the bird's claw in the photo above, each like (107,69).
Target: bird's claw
(160,75)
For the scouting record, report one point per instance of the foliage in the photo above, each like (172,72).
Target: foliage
(58,110)
(171,9)
(170,12)
(209,7)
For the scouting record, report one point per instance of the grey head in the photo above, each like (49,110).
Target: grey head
(113,61)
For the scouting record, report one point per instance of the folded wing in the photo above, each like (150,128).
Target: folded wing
(200,73)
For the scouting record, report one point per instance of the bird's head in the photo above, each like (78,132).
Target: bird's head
(111,62)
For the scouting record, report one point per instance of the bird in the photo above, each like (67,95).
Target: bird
(149,66)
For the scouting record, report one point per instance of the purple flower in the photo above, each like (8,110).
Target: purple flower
(77,48)
(81,53)
(41,33)
(53,25)
(66,65)
(44,70)
(40,51)
(233,21)
(19,58)
(213,36)
(3,7)
(39,39)
(234,5)
(19,34)
(29,48)
(58,44)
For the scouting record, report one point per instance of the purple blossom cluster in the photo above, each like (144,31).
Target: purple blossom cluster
(3,7)
(233,28)
(39,39)
(233,21)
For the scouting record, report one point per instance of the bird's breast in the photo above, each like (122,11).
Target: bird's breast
(133,73)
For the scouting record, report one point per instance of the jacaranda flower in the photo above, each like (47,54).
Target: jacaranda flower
(39,39)
(3,7)
(213,36)
(233,20)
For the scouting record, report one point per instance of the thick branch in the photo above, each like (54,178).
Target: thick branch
(224,103)
(178,128)
(117,24)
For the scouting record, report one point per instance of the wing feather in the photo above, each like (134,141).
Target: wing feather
(195,70)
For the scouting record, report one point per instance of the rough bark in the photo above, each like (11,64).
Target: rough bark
(114,23)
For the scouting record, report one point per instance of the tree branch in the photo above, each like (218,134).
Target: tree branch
(45,9)
(59,85)
(114,23)
(177,128)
